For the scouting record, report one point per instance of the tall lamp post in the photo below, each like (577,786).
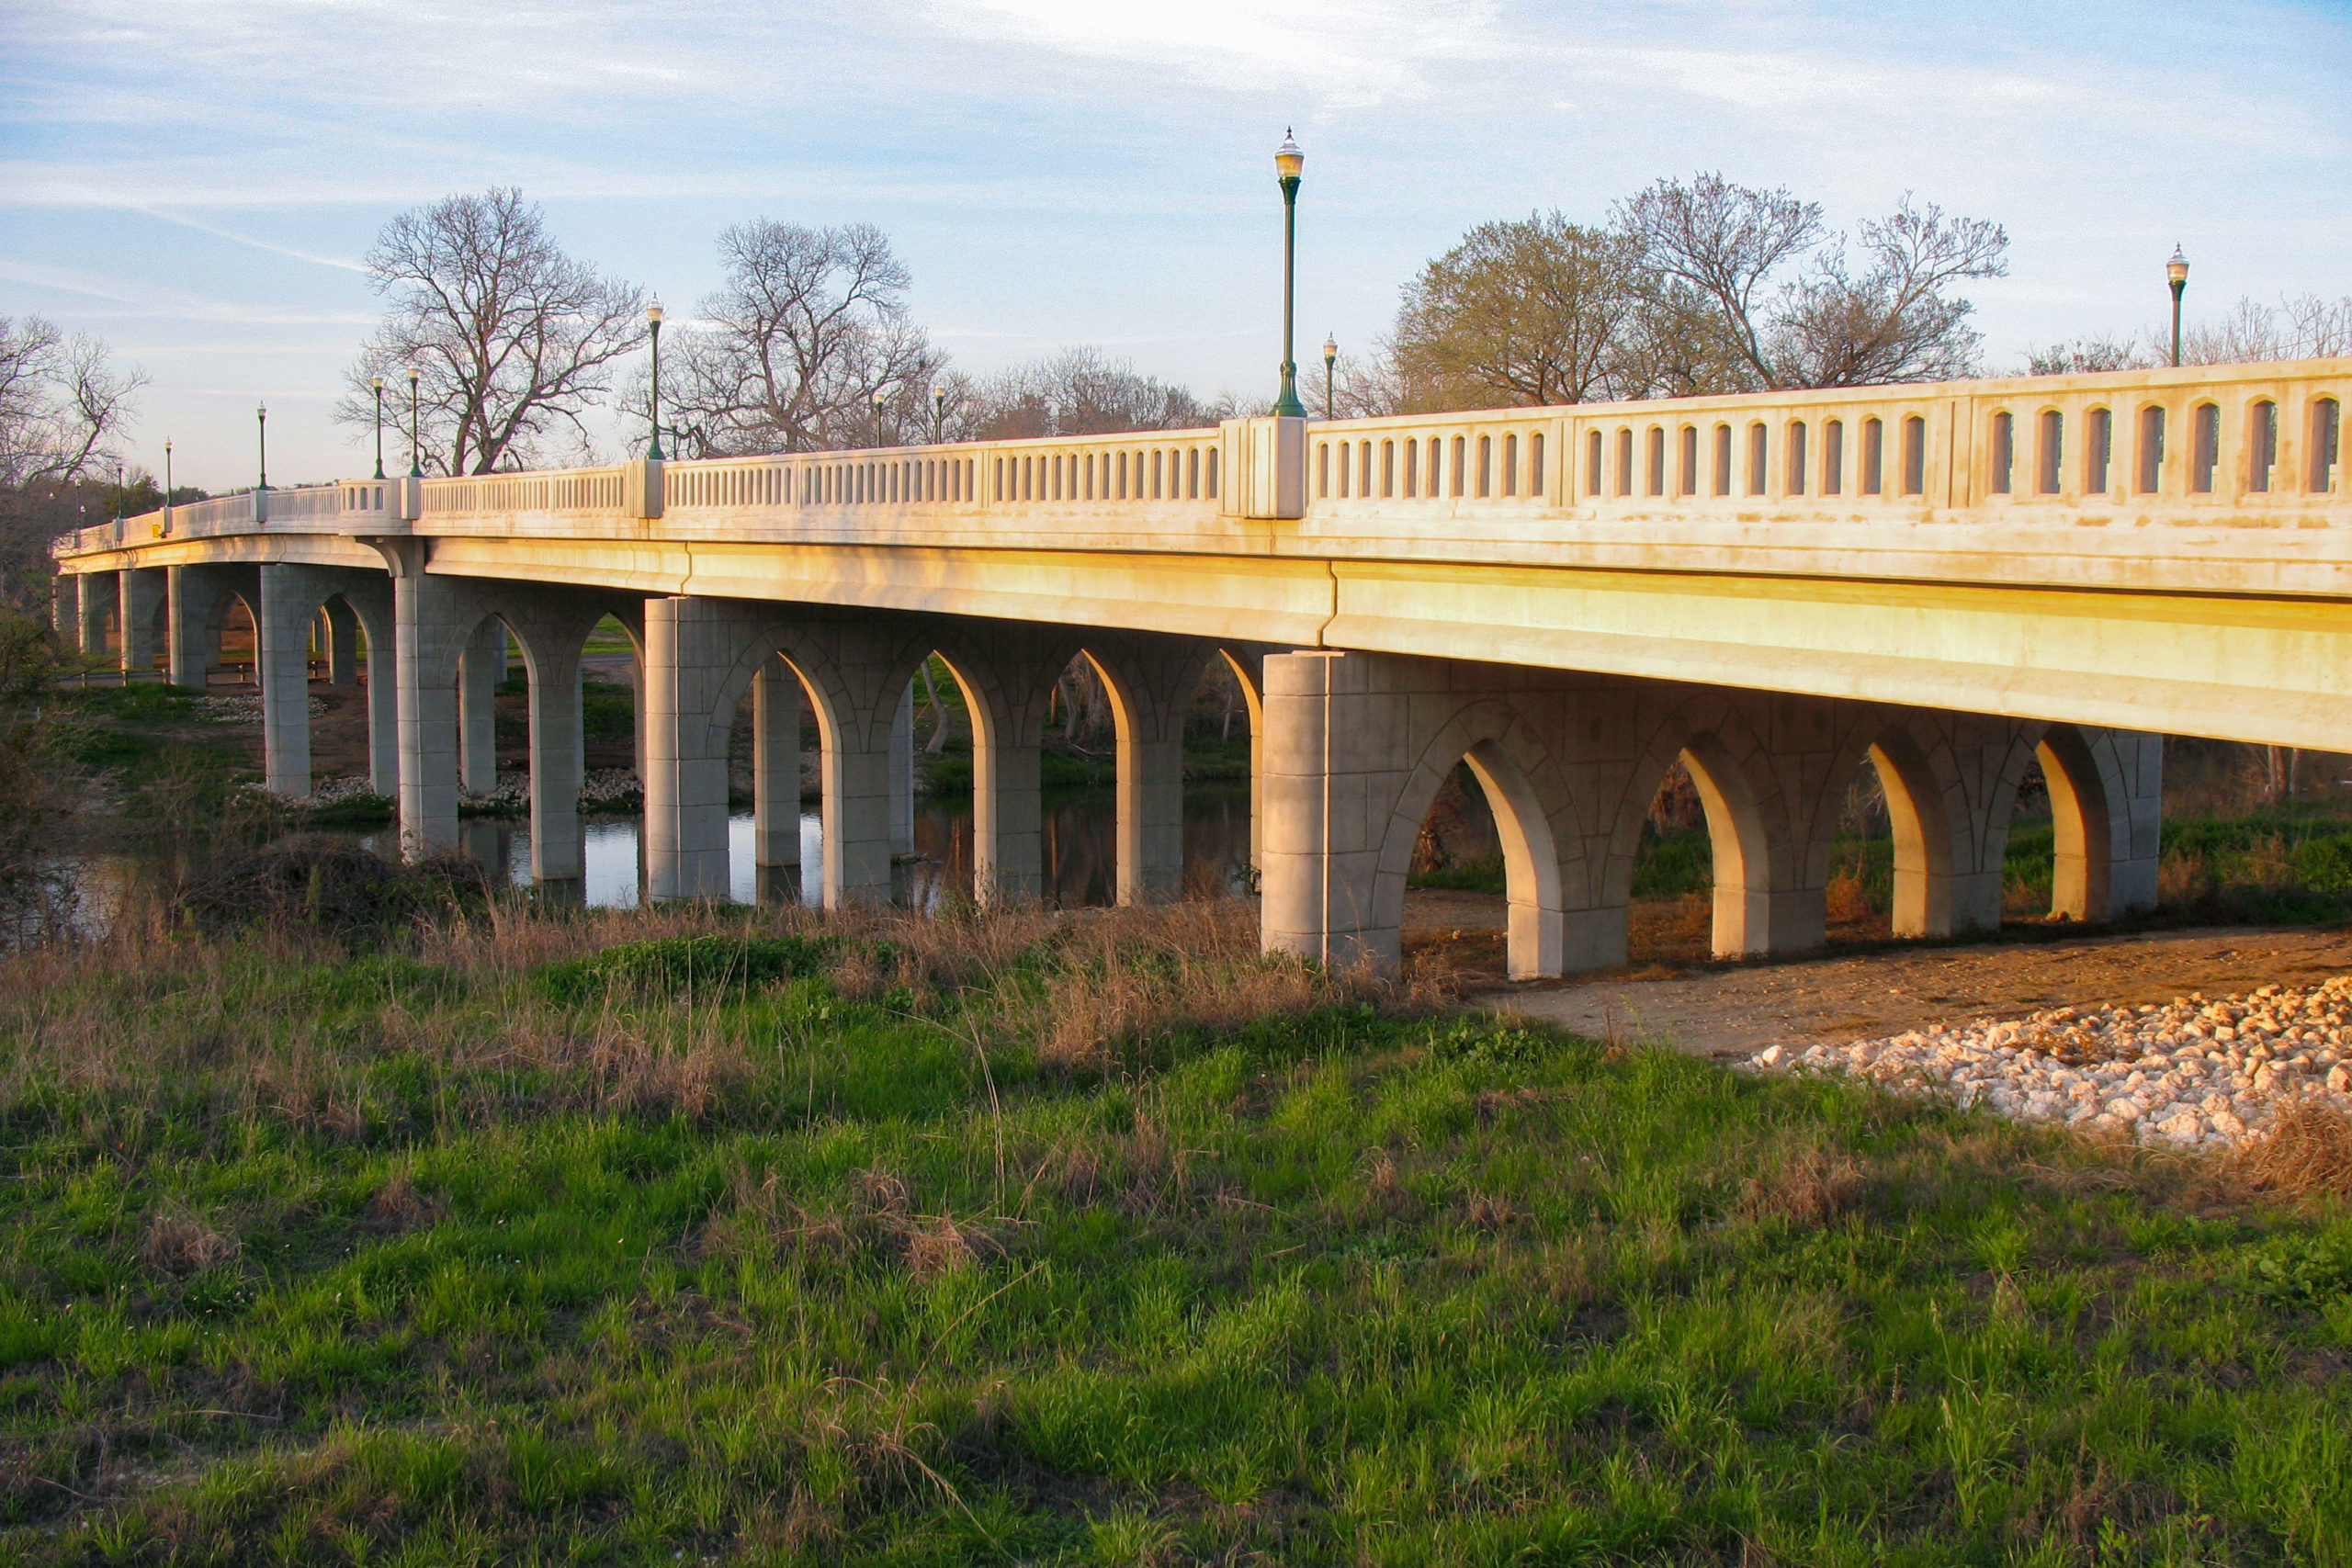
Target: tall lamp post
(653,320)
(1330,363)
(261,422)
(415,442)
(1288,162)
(377,383)
(2177,273)
(938,413)
(167,484)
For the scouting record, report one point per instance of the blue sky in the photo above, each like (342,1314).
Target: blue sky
(195,180)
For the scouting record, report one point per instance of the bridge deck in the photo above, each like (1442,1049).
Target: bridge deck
(2163,549)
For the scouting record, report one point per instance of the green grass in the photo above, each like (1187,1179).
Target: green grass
(114,732)
(2284,867)
(897,1245)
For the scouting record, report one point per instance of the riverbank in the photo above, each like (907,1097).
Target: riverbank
(760,1236)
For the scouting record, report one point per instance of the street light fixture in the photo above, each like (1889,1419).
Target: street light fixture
(167,483)
(377,383)
(1330,363)
(653,320)
(2177,273)
(1288,162)
(416,443)
(881,406)
(938,413)
(261,419)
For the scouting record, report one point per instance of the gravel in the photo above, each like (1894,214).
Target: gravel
(245,708)
(2197,1072)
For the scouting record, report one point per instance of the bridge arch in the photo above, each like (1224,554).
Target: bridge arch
(2105,792)
(1535,821)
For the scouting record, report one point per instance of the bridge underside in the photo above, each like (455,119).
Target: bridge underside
(2269,669)
(1350,747)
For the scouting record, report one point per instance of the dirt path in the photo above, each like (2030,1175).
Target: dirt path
(1735,1010)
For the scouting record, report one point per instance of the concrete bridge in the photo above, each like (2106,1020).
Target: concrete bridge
(1948,581)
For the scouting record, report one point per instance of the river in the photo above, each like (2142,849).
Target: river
(1080,855)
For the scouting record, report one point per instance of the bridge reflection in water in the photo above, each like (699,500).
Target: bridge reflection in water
(1080,838)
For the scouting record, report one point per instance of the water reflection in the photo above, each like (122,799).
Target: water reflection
(1080,854)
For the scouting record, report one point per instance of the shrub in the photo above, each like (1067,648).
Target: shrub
(713,963)
(331,886)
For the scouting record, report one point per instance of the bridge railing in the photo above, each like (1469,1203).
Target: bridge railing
(2258,437)
(598,490)
(1167,468)
(209,517)
(2254,442)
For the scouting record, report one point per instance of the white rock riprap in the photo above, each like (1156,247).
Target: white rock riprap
(2194,1072)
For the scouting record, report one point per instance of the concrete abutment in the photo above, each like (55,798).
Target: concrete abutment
(1356,745)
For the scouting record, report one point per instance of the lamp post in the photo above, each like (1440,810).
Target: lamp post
(653,320)
(1330,363)
(377,383)
(261,421)
(938,413)
(1288,162)
(881,405)
(2177,273)
(167,484)
(415,443)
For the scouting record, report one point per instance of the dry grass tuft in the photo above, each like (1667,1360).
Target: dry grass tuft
(941,1244)
(861,977)
(1850,898)
(180,1244)
(1491,1215)
(1134,978)
(2306,1151)
(1810,1190)
(400,1206)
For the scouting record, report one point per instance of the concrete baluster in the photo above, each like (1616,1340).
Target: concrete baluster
(383,714)
(687,657)
(558,855)
(776,765)
(425,630)
(481,669)
(1008,808)
(283,659)
(859,772)
(65,610)
(96,595)
(1335,758)
(1151,680)
(902,775)
(343,644)
(142,597)
(191,598)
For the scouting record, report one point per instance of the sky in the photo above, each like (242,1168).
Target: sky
(196,182)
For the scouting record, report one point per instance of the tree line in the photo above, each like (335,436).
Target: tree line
(522,350)
(809,343)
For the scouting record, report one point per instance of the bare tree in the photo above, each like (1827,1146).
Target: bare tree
(1532,313)
(1365,386)
(806,346)
(1078,391)
(1720,257)
(1726,245)
(513,340)
(2086,355)
(1897,319)
(63,403)
(2304,327)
